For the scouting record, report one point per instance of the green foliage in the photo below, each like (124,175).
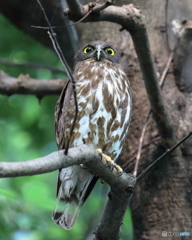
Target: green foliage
(27,132)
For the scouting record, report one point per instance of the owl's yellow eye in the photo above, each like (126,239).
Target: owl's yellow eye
(88,49)
(110,51)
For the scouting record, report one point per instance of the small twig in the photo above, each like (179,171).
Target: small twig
(59,52)
(161,81)
(141,144)
(142,175)
(5,61)
(66,26)
(82,12)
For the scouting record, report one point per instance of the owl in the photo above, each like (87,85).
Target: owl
(104,109)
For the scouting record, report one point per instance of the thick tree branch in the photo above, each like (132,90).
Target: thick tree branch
(121,185)
(131,19)
(26,85)
(82,154)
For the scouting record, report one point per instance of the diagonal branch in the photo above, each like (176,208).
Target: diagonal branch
(131,19)
(26,85)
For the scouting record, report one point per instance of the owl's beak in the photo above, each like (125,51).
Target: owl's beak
(98,52)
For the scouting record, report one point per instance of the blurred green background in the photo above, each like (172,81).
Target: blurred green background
(27,132)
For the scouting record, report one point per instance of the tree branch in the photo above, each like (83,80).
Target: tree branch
(121,185)
(131,19)
(82,154)
(26,85)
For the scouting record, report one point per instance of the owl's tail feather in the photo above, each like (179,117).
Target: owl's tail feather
(66,217)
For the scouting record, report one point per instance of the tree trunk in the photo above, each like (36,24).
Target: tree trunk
(161,202)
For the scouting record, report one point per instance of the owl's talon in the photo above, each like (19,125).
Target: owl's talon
(110,161)
(99,151)
(107,158)
(118,168)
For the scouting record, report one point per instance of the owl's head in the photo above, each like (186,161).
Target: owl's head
(99,51)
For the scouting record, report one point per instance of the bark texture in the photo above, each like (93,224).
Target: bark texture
(162,201)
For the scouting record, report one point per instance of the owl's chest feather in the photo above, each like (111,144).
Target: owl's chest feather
(101,90)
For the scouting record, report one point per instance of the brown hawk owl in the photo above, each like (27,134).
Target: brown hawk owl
(104,107)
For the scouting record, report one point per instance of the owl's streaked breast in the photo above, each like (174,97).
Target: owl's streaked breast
(104,106)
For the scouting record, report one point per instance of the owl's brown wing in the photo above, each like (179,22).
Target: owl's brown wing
(60,113)
(70,205)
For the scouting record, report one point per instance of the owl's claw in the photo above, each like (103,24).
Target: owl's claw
(110,161)
(114,165)
(99,151)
